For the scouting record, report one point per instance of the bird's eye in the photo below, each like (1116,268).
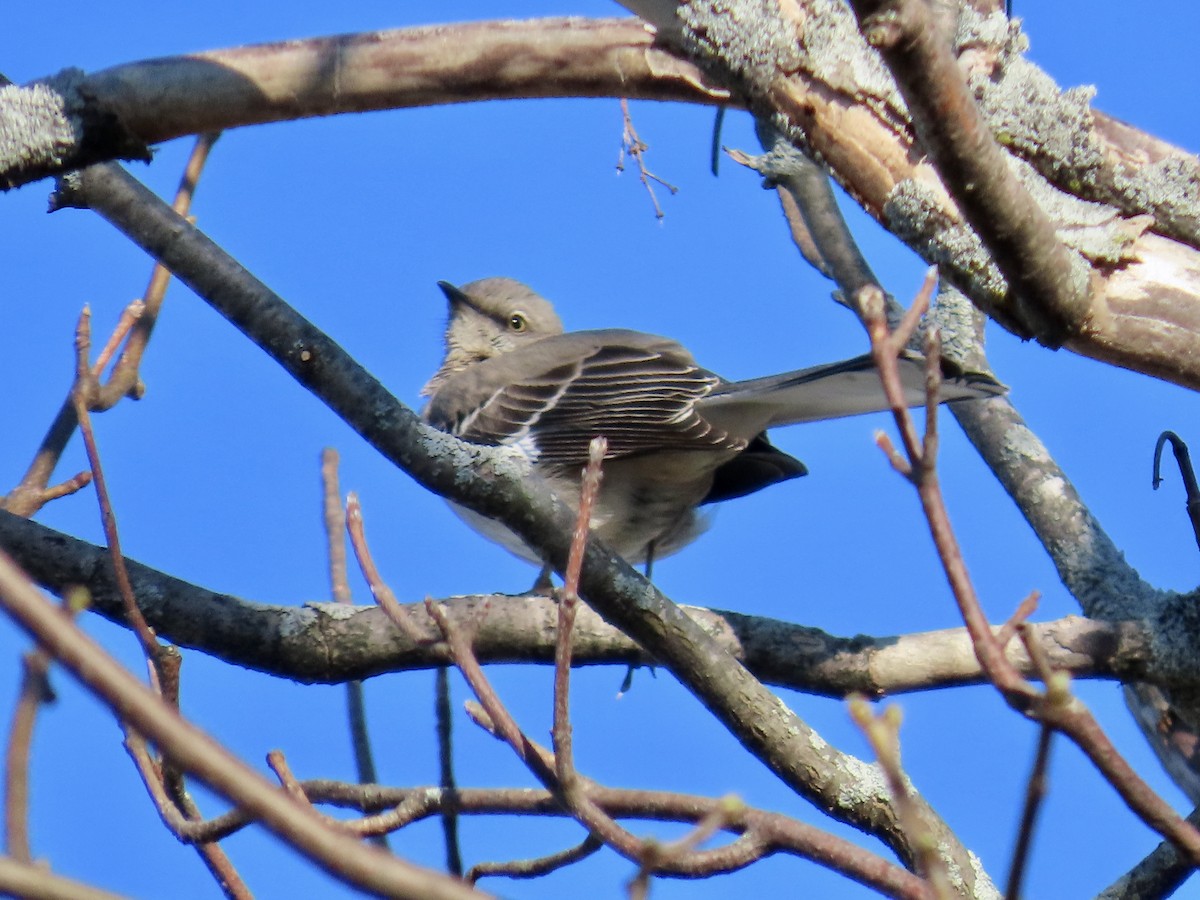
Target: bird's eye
(517,322)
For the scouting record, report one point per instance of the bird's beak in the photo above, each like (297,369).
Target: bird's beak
(455,296)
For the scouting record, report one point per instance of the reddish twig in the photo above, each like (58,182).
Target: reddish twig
(883,733)
(379,589)
(635,147)
(1056,707)
(339,589)
(181,817)
(1024,610)
(335,524)
(540,761)
(35,691)
(84,387)
(278,763)
(299,826)
(568,602)
(137,321)
(536,868)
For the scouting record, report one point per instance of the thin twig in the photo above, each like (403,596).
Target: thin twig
(183,819)
(1056,706)
(35,691)
(344,857)
(84,387)
(383,594)
(539,761)
(883,733)
(445,733)
(536,868)
(339,588)
(634,146)
(1021,614)
(1184,461)
(1035,793)
(568,602)
(33,492)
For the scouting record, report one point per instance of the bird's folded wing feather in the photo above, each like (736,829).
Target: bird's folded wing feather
(637,390)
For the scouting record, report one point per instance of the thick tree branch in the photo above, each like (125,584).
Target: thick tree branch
(819,83)
(805,69)
(1048,286)
(71,119)
(496,484)
(332,643)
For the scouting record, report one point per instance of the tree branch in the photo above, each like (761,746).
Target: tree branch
(71,119)
(333,643)
(765,726)
(193,750)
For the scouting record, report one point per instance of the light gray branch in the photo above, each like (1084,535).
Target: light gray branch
(330,642)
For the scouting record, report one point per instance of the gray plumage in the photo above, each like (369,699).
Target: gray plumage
(679,436)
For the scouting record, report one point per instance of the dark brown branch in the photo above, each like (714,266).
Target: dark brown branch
(1159,874)
(1184,460)
(339,589)
(1035,793)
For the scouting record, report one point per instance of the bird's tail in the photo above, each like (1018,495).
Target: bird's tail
(831,391)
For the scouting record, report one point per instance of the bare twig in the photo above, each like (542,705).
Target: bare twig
(181,817)
(633,145)
(339,589)
(536,868)
(883,733)
(1184,460)
(298,825)
(1035,793)
(35,690)
(1055,707)
(33,882)
(1021,614)
(379,588)
(568,602)
(446,781)
(84,387)
(137,321)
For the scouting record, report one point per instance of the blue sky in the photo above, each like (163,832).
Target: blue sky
(353,220)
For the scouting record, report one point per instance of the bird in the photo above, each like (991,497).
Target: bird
(680,437)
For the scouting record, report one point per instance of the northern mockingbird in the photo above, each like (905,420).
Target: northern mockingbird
(679,437)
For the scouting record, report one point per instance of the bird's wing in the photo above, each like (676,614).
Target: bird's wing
(831,391)
(639,391)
